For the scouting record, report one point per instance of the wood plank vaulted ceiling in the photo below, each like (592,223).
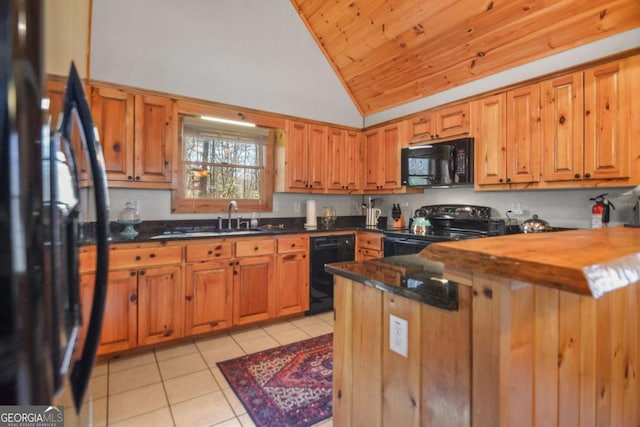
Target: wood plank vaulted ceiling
(389,52)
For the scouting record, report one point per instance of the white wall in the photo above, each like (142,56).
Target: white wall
(561,208)
(156,205)
(66,36)
(249,53)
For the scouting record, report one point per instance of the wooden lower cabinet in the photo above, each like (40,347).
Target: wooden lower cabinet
(292,283)
(209,296)
(119,324)
(369,245)
(253,289)
(160,307)
(375,386)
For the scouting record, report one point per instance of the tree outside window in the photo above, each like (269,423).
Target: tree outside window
(221,162)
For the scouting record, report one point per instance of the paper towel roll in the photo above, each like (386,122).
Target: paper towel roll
(312,219)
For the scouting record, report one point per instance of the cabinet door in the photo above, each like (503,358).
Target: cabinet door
(563,128)
(352,160)
(523,135)
(490,139)
(155,138)
(120,311)
(113,113)
(317,157)
(343,160)
(452,121)
(373,156)
(160,304)
(297,155)
(292,283)
(55,93)
(390,151)
(209,293)
(421,128)
(253,289)
(335,154)
(607,121)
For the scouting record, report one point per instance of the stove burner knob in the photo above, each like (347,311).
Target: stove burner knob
(473,212)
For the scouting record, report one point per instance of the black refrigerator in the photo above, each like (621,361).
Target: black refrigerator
(40,313)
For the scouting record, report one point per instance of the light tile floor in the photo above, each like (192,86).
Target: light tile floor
(180,384)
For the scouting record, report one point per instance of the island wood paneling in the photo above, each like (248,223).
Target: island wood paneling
(389,52)
(544,357)
(374,386)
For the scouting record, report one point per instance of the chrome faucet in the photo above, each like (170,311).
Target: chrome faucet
(234,205)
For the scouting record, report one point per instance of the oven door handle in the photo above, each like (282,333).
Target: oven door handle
(75,101)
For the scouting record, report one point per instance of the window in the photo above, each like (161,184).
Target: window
(223,162)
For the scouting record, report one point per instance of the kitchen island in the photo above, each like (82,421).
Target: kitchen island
(545,332)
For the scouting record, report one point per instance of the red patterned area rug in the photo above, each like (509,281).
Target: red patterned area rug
(285,386)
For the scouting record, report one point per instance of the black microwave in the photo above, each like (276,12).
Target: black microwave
(440,164)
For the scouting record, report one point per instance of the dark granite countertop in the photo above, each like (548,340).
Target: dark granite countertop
(152,231)
(410,276)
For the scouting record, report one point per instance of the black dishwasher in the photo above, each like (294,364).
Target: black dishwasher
(327,250)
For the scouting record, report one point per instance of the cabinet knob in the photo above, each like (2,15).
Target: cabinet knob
(576,176)
(508,179)
(133,273)
(152,255)
(167,332)
(230,263)
(137,178)
(188,298)
(293,245)
(142,272)
(587,175)
(209,252)
(500,180)
(130,178)
(256,248)
(213,324)
(138,257)
(133,298)
(116,147)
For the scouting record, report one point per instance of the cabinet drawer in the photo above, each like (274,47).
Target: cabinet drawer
(293,244)
(370,241)
(369,254)
(209,251)
(86,260)
(255,247)
(125,258)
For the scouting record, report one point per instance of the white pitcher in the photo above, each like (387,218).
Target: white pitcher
(372,217)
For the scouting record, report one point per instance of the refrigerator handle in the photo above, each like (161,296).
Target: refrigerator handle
(75,99)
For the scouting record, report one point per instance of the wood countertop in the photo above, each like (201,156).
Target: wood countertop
(588,262)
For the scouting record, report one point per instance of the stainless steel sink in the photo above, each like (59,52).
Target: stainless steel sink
(195,234)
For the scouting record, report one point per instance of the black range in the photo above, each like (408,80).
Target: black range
(448,222)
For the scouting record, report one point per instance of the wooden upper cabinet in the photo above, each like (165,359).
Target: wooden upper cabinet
(317,157)
(113,113)
(607,120)
(507,130)
(587,122)
(490,145)
(344,159)
(443,123)
(138,134)
(155,138)
(306,156)
(382,158)
(524,135)
(563,128)
(55,93)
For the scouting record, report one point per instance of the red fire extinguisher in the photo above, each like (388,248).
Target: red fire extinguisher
(600,211)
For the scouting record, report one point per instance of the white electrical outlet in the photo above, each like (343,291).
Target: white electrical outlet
(296,207)
(398,335)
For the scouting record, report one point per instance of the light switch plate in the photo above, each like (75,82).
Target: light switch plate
(398,335)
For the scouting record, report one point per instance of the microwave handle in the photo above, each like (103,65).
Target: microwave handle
(75,99)
(452,165)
